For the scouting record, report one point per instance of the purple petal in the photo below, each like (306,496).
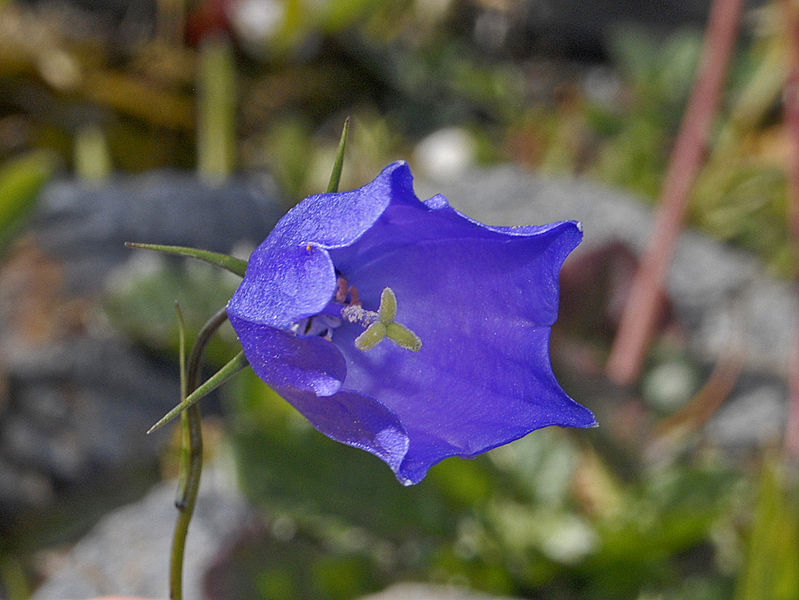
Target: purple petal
(308,371)
(482,300)
(289,276)
(289,363)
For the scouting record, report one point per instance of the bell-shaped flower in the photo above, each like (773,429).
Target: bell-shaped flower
(319,326)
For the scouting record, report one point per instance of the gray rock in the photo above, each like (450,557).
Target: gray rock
(127,552)
(87,225)
(421,591)
(76,396)
(754,418)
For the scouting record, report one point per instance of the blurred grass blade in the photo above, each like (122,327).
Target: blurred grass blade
(771,569)
(231,263)
(216,110)
(335,175)
(21,180)
(92,160)
(13,578)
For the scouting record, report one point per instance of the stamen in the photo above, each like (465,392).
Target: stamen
(341,290)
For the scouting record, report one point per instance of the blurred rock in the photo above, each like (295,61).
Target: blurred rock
(127,552)
(86,225)
(421,591)
(76,396)
(445,154)
(755,418)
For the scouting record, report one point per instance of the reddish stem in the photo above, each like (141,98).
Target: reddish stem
(637,325)
(791,108)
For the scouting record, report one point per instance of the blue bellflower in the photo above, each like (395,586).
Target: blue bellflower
(480,299)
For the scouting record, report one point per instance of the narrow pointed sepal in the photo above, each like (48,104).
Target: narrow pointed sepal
(229,263)
(335,175)
(236,364)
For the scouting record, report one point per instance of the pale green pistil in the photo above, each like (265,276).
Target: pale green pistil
(381,324)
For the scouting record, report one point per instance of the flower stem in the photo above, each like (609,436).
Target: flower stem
(191,450)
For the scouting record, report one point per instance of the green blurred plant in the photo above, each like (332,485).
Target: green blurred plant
(21,179)
(771,568)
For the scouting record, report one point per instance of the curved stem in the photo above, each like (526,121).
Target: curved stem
(191,456)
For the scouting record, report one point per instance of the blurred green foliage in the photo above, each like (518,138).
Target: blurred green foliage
(550,515)
(542,516)
(771,570)
(402,70)
(547,516)
(20,182)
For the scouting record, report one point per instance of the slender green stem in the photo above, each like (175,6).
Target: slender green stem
(191,454)
(185,441)
(12,577)
(335,175)
(232,264)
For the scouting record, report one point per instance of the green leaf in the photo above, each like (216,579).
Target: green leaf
(92,159)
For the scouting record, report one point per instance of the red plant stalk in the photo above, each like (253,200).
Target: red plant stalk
(638,320)
(791,111)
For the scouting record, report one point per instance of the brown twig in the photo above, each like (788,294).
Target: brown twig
(637,324)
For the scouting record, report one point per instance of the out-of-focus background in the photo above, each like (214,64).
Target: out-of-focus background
(200,122)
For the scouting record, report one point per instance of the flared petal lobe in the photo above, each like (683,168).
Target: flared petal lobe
(482,299)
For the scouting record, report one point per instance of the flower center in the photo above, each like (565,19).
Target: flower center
(377,325)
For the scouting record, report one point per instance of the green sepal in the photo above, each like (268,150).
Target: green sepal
(335,175)
(230,263)
(236,364)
